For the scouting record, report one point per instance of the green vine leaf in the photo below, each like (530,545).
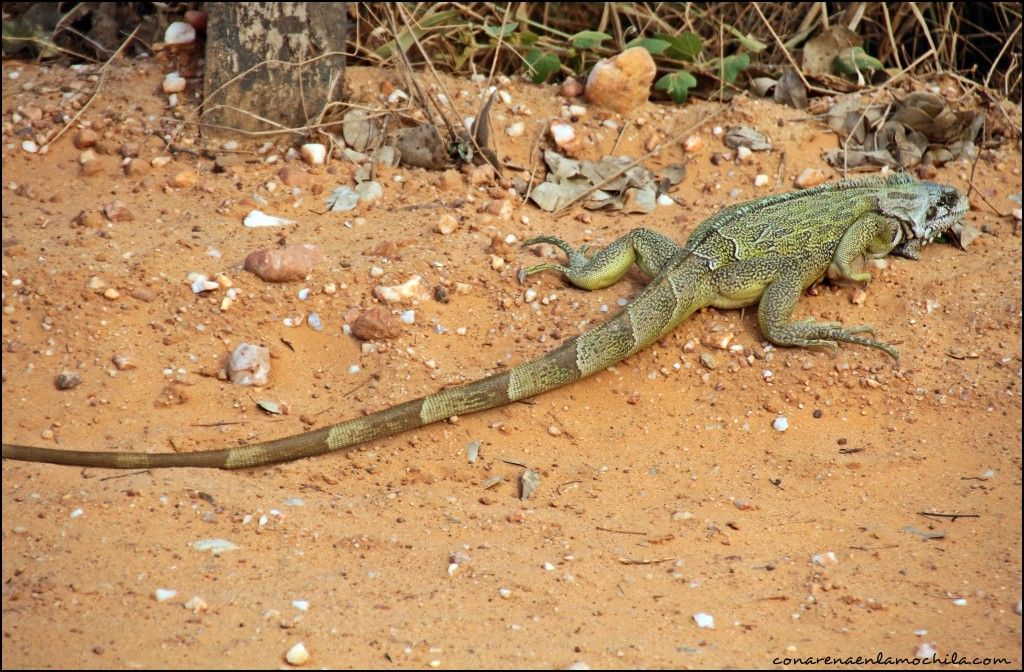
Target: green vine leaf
(588,39)
(733,65)
(855,59)
(684,46)
(542,64)
(651,44)
(677,85)
(502,31)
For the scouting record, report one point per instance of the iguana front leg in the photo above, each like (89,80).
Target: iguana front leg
(870,236)
(650,250)
(776,308)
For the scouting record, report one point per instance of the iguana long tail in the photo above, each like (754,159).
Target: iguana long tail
(653,313)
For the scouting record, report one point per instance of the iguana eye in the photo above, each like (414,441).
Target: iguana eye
(932,212)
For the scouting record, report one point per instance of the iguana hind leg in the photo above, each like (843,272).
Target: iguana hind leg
(650,250)
(776,308)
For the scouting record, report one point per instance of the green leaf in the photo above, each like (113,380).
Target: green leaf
(405,38)
(684,46)
(588,39)
(850,61)
(502,31)
(543,65)
(525,38)
(677,85)
(749,43)
(651,44)
(733,65)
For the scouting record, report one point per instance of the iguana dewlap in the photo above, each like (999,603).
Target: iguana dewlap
(764,252)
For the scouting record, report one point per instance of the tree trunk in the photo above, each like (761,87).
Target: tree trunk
(305,44)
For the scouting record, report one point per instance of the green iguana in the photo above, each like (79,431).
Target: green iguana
(764,252)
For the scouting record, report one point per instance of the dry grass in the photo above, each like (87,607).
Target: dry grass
(978,43)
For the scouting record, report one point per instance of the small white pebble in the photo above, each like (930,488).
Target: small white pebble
(548,567)
(780,424)
(665,199)
(303,293)
(761,180)
(197,605)
(743,152)
(960,602)
(77,512)
(313,153)
(704,620)
(297,655)
(163,594)
(926,650)
(504,593)
(376,271)
(301,605)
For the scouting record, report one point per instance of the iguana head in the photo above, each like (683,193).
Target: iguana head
(925,210)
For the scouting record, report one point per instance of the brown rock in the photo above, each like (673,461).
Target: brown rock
(500,248)
(479,175)
(85,138)
(809,177)
(623,82)
(90,219)
(376,324)
(387,249)
(451,180)
(67,380)
(118,212)
(501,209)
(293,177)
(186,179)
(91,168)
(571,88)
(291,262)
(143,294)
(136,168)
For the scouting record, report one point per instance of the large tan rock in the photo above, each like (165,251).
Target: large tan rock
(376,324)
(623,82)
(291,262)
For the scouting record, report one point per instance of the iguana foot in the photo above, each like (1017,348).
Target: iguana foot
(579,271)
(809,333)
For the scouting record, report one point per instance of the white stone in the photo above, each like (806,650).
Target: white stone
(704,620)
(257,219)
(179,32)
(313,153)
(174,83)
(297,655)
(249,365)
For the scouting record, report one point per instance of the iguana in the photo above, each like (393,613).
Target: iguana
(763,252)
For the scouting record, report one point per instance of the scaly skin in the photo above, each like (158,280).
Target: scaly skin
(765,252)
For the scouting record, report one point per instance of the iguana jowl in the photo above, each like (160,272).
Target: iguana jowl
(763,252)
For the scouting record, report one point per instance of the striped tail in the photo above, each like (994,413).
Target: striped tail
(663,304)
